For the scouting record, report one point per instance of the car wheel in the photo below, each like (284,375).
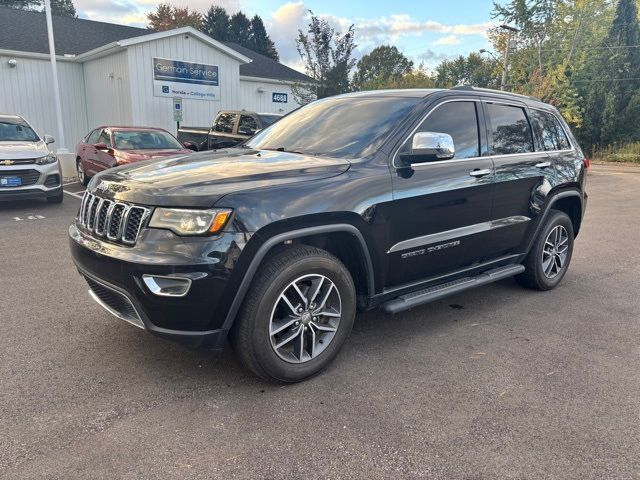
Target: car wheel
(82,176)
(57,198)
(549,258)
(296,316)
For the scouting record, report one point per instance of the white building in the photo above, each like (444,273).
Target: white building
(117,75)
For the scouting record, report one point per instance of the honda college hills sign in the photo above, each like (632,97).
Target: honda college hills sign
(174,78)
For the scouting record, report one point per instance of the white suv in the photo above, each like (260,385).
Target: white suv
(28,169)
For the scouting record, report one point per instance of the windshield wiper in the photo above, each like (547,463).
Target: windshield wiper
(282,149)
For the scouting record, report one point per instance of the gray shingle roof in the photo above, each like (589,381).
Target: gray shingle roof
(265,67)
(26,31)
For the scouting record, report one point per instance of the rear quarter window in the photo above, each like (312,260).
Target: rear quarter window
(551,134)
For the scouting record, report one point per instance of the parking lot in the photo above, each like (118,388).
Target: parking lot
(499,382)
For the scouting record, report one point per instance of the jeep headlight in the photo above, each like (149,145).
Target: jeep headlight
(183,221)
(51,158)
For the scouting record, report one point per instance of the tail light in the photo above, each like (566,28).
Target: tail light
(587,163)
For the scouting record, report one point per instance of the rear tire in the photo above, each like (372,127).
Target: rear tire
(303,293)
(550,255)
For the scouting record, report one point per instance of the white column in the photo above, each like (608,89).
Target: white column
(60,141)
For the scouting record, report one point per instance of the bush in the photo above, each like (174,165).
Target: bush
(623,152)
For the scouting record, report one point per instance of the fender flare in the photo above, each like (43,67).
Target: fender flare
(282,237)
(554,198)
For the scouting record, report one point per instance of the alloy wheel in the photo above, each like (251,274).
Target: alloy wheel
(80,169)
(305,318)
(555,251)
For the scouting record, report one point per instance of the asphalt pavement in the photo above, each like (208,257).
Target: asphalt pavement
(496,383)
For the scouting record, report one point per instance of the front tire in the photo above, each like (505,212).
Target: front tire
(296,316)
(83,178)
(549,258)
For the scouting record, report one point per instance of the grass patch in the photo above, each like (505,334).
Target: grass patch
(619,153)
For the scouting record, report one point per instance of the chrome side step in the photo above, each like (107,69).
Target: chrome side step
(426,295)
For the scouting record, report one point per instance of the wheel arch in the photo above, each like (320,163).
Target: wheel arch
(329,237)
(569,201)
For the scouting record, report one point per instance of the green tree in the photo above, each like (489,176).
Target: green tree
(60,8)
(380,65)
(168,17)
(240,29)
(63,8)
(216,23)
(473,69)
(259,40)
(613,92)
(327,57)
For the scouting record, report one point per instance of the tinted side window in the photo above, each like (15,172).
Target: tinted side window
(225,123)
(93,136)
(247,125)
(105,138)
(458,119)
(510,128)
(549,131)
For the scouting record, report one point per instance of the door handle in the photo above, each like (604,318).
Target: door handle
(480,173)
(543,164)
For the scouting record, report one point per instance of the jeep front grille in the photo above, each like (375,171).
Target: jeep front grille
(118,222)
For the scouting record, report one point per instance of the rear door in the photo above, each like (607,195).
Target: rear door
(520,174)
(441,209)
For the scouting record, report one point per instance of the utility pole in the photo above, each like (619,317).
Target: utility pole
(505,65)
(54,78)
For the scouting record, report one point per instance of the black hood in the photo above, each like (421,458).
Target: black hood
(201,179)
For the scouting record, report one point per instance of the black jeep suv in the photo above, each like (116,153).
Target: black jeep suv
(387,198)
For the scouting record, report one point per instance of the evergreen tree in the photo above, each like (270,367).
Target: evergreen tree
(63,8)
(216,23)
(260,41)
(240,29)
(613,94)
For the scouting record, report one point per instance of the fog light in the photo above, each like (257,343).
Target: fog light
(167,286)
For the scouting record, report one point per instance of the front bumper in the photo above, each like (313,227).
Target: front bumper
(40,181)
(114,274)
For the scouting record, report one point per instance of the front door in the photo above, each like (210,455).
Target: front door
(104,158)
(441,211)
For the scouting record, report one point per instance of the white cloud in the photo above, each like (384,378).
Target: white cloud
(285,22)
(448,40)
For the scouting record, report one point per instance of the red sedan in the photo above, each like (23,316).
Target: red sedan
(107,147)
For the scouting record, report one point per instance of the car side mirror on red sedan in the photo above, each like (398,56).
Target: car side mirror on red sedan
(101,146)
(190,146)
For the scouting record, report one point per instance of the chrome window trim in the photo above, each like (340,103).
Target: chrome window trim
(482,100)
(447,235)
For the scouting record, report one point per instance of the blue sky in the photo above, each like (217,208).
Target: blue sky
(426,31)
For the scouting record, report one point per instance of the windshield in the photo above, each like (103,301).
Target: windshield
(16,130)
(145,140)
(267,120)
(347,127)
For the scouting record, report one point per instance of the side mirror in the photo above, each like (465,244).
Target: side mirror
(429,147)
(101,146)
(190,146)
(48,139)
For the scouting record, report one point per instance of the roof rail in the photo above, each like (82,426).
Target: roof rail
(491,90)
